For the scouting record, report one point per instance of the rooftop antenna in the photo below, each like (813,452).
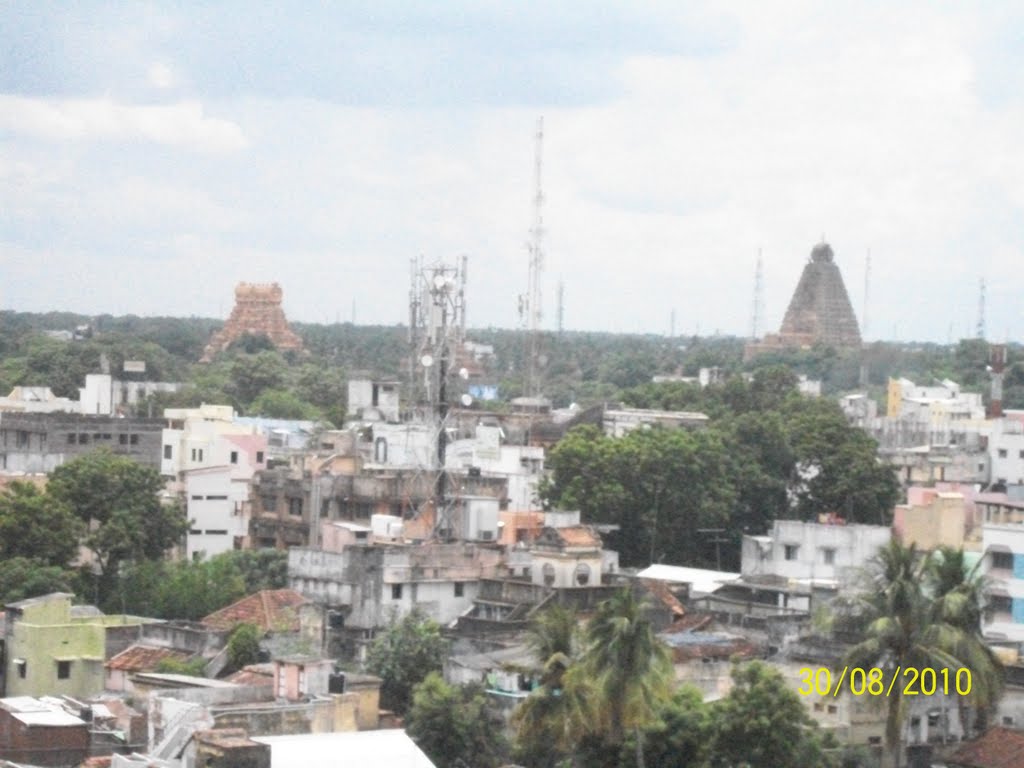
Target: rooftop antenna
(758,309)
(530,302)
(980,332)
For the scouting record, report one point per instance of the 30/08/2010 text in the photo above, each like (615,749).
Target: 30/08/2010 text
(873,681)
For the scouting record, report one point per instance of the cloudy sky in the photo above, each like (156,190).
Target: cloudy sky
(154,154)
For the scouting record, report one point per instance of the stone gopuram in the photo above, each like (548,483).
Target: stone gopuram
(819,312)
(257,312)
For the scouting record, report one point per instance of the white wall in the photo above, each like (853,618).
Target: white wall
(851,547)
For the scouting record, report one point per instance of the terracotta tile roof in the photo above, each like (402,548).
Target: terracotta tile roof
(272,610)
(997,748)
(144,658)
(660,591)
(253,674)
(578,536)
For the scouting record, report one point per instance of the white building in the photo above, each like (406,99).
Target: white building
(1006,451)
(104,395)
(373,400)
(521,465)
(209,460)
(815,555)
(619,421)
(1003,548)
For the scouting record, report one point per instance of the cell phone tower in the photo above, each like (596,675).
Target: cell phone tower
(530,311)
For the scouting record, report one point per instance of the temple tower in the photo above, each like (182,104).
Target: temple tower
(258,312)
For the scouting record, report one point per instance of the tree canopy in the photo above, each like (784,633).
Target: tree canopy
(403,655)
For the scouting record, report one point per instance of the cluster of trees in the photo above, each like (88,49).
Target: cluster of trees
(574,366)
(605,699)
(768,453)
(111,507)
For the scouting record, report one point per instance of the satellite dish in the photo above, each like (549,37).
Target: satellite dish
(427,360)
(463,373)
(467,400)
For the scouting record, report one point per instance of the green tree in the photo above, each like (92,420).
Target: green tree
(403,655)
(905,628)
(552,719)
(260,568)
(195,667)
(453,726)
(837,467)
(252,374)
(22,578)
(282,404)
(659,486)
(34,525)
(244,646)
(681,736)
(958,592)
(762,722)
(186,589)
(119,502)
(631,669)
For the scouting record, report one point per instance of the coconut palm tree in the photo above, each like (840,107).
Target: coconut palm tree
(904,629)
(630,668)
(958,593)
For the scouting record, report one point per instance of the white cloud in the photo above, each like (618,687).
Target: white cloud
(181,124)
(162,76)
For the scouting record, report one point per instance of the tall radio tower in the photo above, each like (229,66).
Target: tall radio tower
(530,302)
(758,310)
(981,308)
(867,287)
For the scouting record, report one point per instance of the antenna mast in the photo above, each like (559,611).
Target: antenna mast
(981,308)
(561,307)
(530,302)
(867,292)
(758,309)
(437,310)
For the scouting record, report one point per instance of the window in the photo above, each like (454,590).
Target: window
(71,438)
(21,438)
(218,497)
(1002,453)
(234,457)
(134,440)
(549,574)
(582,574)
(396,591)
(828,556)
(22,666)
(832,709)
(106,436)
(63,670)
(791,551)
(123,440)
(459,589)
(83,439)
(259,457)
(168,450)
(197,497)
(295,507)
(269,503)
(1008,721)
(1020,454)
(1000,604)
(1002,561)
(216,532)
